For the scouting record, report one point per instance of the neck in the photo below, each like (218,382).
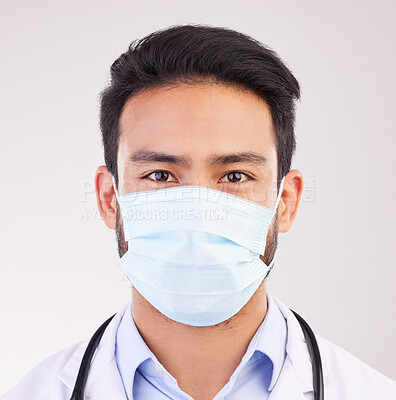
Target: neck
(213,351)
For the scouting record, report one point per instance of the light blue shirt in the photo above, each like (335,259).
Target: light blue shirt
(145,378)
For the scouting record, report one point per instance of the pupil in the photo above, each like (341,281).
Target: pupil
(158,175)
(232,176)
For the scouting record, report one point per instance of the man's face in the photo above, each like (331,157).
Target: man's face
(206,135)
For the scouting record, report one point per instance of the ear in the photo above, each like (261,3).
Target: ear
(290,200)
(105,196)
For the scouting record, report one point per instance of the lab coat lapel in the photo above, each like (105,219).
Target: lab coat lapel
(287,386)
(104,380)
(109,386)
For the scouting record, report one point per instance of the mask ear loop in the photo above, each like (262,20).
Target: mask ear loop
(115,189)
(279,194)
(271,265)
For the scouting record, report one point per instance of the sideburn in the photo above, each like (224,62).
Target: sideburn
(121,243)
(272,241)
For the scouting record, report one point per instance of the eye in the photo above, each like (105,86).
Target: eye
(159,176)
(236,177)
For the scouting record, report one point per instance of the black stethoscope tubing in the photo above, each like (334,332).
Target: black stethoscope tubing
(78,392)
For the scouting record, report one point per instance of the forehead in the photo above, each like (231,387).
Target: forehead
(202,115)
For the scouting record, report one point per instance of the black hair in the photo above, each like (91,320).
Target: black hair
(197,53)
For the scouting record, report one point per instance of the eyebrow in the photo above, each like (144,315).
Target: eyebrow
(148,156)
(249,157)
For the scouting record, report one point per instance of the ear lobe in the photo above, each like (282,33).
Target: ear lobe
(290,200)
(105,196)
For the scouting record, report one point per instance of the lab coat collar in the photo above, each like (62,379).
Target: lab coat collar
(298,366)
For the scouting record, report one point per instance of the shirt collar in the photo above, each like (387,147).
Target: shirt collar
(272,338)
(269,340)
(130,350)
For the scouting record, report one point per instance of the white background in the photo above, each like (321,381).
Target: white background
(60,275)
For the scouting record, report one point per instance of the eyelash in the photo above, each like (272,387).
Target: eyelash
(249,178)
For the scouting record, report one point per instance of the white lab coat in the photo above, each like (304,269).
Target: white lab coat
(345,376)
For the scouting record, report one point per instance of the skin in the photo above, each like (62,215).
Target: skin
(197,121)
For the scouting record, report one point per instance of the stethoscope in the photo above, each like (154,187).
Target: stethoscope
(78,392)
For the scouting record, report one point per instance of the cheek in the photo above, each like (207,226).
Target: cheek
(262,192)
(129,181)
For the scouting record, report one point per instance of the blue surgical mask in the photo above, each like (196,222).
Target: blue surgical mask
(193,252)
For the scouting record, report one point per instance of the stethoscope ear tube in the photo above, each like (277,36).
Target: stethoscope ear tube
(78,392)
(313,349)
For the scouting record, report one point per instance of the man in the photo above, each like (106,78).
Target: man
(198,134)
